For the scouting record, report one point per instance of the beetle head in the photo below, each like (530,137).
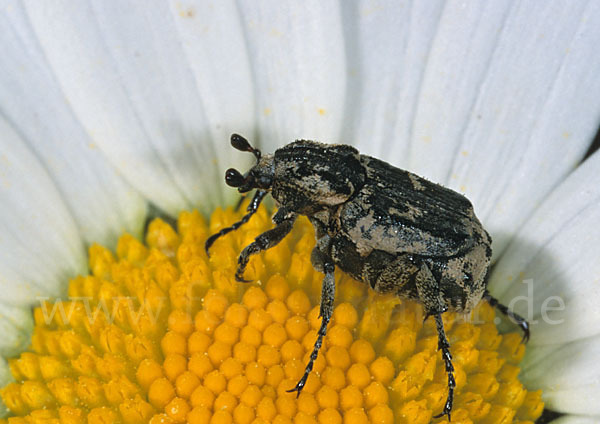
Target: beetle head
(260,176)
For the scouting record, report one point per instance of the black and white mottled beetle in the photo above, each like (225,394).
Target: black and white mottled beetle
(382,225)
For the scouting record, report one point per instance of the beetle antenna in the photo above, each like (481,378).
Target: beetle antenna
(241,144)
(233,178)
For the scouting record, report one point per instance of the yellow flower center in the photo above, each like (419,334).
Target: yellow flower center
(160,333)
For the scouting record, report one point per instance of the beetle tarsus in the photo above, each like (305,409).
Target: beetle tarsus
(434,304)
(444,346)
(513,316)
(327,298)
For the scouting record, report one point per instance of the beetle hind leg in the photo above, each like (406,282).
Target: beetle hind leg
(516,318)
(327,298)
(433,301)
(444,346)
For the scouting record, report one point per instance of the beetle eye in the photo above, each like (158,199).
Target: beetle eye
(233,178)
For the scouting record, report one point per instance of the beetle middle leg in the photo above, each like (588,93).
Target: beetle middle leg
(325,264)
(284,221)
(433,301)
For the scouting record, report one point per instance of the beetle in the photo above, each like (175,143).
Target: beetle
(384,226)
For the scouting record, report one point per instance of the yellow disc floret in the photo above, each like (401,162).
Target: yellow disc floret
(161,333)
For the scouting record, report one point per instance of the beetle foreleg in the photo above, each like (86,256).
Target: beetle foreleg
(516,318)
(433,301)
(252,208)
(327,298)
(285,222)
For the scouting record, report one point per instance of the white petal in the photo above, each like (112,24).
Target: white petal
(16,325)
(103,205)
(572,419)
(214,45)
(387,44)
(556,254)
(5,378)
(458,60)
(130,82)
(508,104)
(580,400)
(298,63)
(569,377)
(39,243)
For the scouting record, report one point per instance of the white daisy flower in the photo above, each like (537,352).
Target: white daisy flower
(110,111)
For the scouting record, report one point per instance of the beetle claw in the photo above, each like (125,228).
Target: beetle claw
(239,277)
(298,388)
(295,389)
(444,412)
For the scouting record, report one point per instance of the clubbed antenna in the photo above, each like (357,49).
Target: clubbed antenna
(241,144)
(233,178)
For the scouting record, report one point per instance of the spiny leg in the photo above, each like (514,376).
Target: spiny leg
(516,318)
(327,298)
(444,346)
(252,208)
(433,302)
(285,222)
